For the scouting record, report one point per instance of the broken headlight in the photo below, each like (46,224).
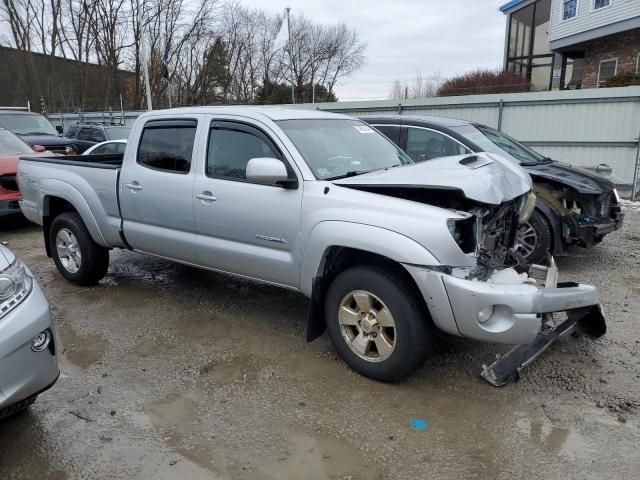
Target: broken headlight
(15,285)
(463,232)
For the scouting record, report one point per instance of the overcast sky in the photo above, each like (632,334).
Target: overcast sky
(402,36)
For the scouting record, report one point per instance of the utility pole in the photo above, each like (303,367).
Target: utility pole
(293,88)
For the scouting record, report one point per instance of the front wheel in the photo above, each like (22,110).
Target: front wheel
(534,238)
(78,258)
(377,324)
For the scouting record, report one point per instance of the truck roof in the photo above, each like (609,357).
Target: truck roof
(271,112)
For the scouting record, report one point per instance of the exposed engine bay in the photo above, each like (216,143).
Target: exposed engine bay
(488,232)
(586,218)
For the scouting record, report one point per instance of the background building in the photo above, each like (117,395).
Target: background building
(560,44)
(64,84)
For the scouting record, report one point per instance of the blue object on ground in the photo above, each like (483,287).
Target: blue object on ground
(418,424)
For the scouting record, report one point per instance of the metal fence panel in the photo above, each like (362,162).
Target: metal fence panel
(581,127)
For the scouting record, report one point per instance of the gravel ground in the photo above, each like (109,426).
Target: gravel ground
(172,372)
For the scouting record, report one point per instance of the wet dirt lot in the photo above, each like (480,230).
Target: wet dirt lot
(173,372)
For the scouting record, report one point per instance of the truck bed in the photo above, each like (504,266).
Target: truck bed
(109,161)
(88,182)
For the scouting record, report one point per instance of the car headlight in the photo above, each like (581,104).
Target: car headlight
(15,285)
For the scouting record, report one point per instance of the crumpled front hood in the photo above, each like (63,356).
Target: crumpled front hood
(577,178)
(483,177)
(6,258)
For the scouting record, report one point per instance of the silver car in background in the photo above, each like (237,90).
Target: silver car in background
(28,364)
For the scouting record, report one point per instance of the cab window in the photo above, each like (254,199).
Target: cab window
(231,149)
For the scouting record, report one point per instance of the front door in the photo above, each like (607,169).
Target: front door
(156,191)
(246,228)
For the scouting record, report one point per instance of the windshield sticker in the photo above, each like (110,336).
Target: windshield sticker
(363,128)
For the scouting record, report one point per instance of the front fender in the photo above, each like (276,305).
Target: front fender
(57,188)
(380,241)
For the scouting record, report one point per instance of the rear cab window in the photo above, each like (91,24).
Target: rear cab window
(167,145)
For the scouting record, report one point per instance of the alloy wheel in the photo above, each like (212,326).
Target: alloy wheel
(367,326)
(68,250)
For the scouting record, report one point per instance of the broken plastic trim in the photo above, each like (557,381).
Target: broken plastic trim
(506,369)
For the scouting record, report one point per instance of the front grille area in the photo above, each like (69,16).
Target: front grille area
(8,182)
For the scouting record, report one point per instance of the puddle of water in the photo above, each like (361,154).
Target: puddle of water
(556,440)
(319,458)
(81,350)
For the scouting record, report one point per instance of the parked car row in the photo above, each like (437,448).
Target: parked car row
(35,129)
(436,226)
(388,250)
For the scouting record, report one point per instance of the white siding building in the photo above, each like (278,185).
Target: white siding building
(591,40)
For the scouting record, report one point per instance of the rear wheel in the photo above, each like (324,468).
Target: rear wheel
(78,258)
(378,326)
(17,408)
(534,238)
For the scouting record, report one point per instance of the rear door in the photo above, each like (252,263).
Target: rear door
(425,144)
(156,190)
(246,228)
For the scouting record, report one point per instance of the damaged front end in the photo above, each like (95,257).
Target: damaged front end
(500,264)
(585,217)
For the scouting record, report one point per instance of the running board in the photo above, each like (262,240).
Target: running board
(506,369)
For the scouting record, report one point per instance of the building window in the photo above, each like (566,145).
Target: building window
(528,50)
(569,9)
(608,68)
(638,65)
(601,4)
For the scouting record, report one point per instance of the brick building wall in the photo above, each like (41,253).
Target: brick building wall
(624,46)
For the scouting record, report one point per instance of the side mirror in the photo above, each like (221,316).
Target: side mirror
(59,129)
(269,171)
(39,148)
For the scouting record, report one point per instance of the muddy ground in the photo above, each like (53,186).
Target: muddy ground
(172,372)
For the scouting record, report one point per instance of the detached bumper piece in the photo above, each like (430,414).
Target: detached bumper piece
(506,369)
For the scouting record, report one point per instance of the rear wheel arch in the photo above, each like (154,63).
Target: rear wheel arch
(55,205)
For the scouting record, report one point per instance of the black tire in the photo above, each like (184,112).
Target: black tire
(94,258)
(413,337)
(543,238)
(17,408)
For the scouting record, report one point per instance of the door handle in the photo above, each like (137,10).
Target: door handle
(135,186)
(206,197)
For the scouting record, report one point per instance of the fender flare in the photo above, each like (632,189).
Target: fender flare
(328,235)
(56,188)
(555,222)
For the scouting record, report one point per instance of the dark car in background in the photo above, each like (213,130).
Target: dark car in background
(87,135)
(35,129)
(574,206)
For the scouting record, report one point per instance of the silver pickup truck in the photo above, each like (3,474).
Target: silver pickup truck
(387,250)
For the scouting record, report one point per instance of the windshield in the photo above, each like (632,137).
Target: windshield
(117,133)
(27,124)
(10,144)
(338,148)
(492,141)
